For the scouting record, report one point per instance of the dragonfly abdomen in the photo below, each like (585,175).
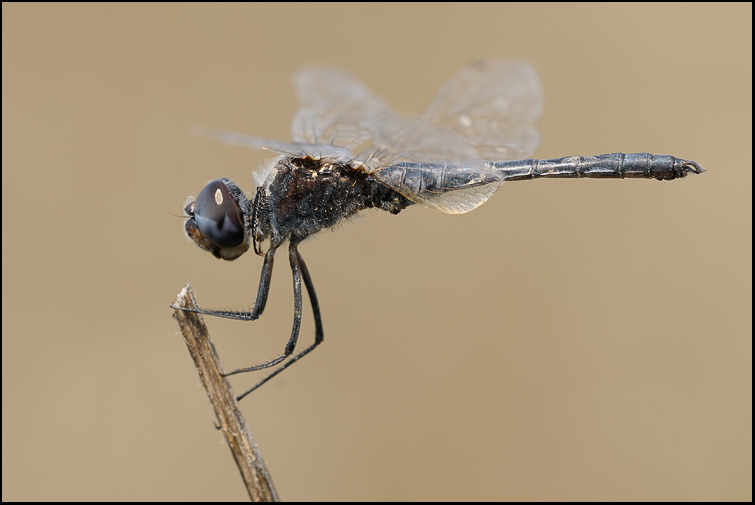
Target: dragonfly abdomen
(424,179)
(611,166)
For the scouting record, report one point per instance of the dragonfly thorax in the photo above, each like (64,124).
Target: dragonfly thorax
(305,195)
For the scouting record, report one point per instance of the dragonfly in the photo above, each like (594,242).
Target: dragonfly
(350,152)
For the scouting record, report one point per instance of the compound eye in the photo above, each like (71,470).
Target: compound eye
(218,215)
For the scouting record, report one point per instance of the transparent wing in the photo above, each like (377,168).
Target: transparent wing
(418,140)
(335,108)
(338,109)
(493,104)
(297,149)
(486,112)
(446,188)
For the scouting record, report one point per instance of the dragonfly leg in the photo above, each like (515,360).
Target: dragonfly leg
(297,266)
(291,345)
(259,304)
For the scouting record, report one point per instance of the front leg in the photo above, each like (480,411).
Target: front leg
(259,304)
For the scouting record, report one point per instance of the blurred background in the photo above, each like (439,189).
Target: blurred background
(569,340)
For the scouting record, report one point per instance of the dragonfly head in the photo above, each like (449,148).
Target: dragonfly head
(216,220)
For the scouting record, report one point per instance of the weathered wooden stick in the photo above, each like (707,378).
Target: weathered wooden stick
(230,420)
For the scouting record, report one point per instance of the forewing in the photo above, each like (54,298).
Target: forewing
(493,104)
(335,108)
(296,149)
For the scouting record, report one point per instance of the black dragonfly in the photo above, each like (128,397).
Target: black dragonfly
(351,152)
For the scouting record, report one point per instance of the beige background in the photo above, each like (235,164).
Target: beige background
(570,340)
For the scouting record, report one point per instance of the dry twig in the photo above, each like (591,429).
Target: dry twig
(229,418)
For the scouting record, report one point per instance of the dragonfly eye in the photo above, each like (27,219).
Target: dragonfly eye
(218,215)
